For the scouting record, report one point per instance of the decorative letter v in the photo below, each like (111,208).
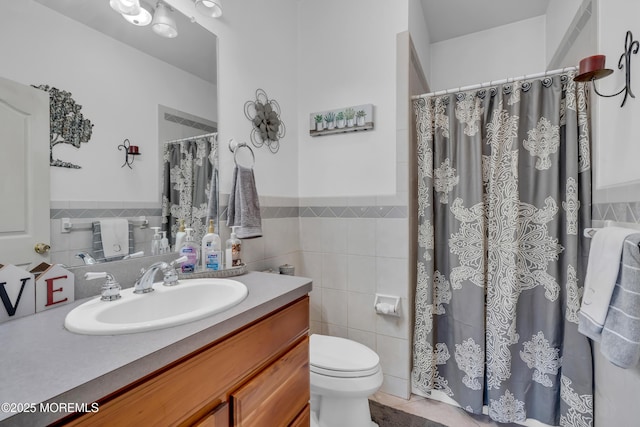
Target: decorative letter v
(11,309)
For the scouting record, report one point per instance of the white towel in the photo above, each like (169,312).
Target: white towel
(602,272)
(115,237)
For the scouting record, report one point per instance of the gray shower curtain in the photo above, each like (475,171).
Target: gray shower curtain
(189,166)
(504,190)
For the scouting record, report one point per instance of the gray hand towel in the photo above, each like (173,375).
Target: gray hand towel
(620,340)
(244,206)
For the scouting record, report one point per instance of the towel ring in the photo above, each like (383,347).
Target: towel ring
(234,147)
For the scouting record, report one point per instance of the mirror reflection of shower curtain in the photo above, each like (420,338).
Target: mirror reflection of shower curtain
(190,185)
(504,188)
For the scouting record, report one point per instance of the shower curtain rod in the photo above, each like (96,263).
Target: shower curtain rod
(192,137)
(494,83)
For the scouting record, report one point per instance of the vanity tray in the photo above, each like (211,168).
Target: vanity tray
(216,274)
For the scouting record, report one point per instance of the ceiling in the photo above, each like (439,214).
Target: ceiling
(447,19)
(180,51)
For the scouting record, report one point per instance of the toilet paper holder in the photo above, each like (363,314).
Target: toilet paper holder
(388,305)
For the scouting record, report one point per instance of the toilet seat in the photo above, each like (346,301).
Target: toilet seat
(341,358)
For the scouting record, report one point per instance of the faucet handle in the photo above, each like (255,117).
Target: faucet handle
(110,288)
(170,274)
(180,260)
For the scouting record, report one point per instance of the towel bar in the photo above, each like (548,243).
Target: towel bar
(67,224)
(234,147)
(590,231)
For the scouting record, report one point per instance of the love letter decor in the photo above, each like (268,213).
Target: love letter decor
(23,293)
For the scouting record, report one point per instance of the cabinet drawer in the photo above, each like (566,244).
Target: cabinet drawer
(303,419)
(277,395)
(193,386)
(218,418)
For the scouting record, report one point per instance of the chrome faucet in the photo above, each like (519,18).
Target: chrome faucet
(86,258)
(144,283)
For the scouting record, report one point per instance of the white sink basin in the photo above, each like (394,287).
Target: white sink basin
(166,306)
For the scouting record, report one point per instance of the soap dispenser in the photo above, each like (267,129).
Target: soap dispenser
(211,249)
(180,235)
(156,241)
(190,250)
(232,252)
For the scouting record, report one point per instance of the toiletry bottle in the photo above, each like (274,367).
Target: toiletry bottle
(155,241)
(180,235)
(211,250)
(190,250)
(232,252)
(164,244)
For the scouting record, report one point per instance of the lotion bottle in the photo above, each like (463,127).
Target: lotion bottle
(232,250)
(190,250)
(211,250)
(180,235)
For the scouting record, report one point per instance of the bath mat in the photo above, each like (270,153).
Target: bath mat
(386,416)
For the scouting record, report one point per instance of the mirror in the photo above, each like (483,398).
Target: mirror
(131,84)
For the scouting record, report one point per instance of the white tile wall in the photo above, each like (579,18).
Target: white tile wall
(394,355)
(334,307)
(334,271)
(361,237)
(356,258)
(361,315)
(361,273)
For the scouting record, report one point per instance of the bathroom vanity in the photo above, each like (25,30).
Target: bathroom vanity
(247,366)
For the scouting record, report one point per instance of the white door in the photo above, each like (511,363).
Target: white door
(24,173)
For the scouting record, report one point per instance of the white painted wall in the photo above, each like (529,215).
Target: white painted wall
(618,132)
(585,44)
(257,45)
(420,36)
(560,14)
(507,51)
(617,178)
(40,46)
(347,56)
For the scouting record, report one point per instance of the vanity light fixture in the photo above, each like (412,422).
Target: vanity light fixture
(163,23)
(129,150)
(209,8)
(592,68)
(125,7)
(143,17)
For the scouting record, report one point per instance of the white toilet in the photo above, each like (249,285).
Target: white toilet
(344,374)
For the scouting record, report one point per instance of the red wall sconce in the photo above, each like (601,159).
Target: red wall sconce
(129,150)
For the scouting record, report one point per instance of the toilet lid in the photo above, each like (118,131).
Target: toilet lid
(341,357)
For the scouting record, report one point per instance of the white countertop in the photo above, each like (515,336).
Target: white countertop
(41,361)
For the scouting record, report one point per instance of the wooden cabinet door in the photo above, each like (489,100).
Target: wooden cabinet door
(277,395)
(303,419)
(219,417)
(177,395)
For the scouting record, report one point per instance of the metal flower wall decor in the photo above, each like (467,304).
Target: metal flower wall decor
(67,124)
(268,128)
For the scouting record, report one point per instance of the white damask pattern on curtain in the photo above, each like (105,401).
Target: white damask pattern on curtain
(187,185)
(504,187)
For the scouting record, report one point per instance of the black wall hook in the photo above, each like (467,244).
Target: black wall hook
(631,47)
